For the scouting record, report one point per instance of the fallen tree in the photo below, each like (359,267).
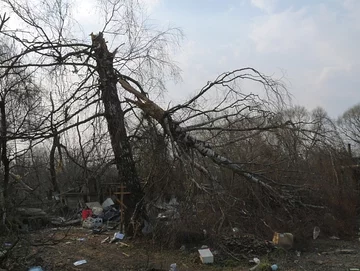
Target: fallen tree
(184,143)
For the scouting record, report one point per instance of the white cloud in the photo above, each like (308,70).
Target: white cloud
(265,5)
(151,4)
(284,31)
(317,46)
(331,71)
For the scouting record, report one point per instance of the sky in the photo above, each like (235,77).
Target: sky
(312,45)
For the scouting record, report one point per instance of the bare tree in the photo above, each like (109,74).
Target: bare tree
(141,52)
(349,123)
(20,105)
(115,82)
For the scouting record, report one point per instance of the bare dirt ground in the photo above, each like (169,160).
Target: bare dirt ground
(58,249)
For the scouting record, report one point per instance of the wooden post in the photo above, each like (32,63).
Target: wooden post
(123,207)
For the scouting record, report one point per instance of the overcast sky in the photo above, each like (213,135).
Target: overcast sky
(313,43)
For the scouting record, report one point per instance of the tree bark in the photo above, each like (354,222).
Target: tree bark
(4,159)
(52,169)
(115,118)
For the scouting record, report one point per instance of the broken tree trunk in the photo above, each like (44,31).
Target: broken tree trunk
(180,136)
(116,126)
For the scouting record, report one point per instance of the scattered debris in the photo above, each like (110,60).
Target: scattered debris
(316,232)
(334,238)
(98,211)
(125,254)
(169,210)
(173,267)
(105,240)
(354,269)
(122,244)
(86,213)
(255,261)
(107,203)
(95,207)
(91,205)
(77,263)
(91,222)
(284,240)
(7,244)
(274,267)
(206,256)
(111,214)
(298,253)
(81,239)
(36,268)
(117,236)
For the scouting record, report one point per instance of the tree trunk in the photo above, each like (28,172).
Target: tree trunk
(116,126)
(4,159)
(55,186)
